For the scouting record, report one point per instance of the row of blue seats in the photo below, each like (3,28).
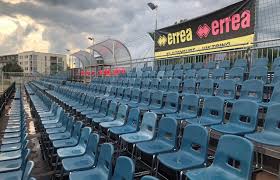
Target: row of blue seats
(77,147)
(232,123)
(14,153)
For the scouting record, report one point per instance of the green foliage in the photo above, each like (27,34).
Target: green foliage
(12,67)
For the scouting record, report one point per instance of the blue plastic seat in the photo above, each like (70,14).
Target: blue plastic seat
(164,141)
(119,120)
(241,63)
(225,64)
(218,75)
(146,74)
(230,148)
(276,64)
(85,161)
(174,85)
(146,132)
(270,135)
(259,72)
(212,112)
(198,65)
(135,98)
(137,83)
(210,65)
(154,85)
(120,93)
(189,86)
(156,101)
(14,146)
(187,66)
(276,76)
(226,89)
(189,108)
(124,169)
(160,74)
(169,67)
(178,67)
(22,174)
(169,74)
(192,153)
(171,104)
(126,96)
(237,74)
(77,150)
(202,74)
(206,88)
(261,62)
(72,141)
(102,112)
(63,135)
(163,85)
(145,84)
(153,74)
(190,74)
(111,114)
(103,169)
(179,74)
(243,119)
(96,107)
(275,97)
(251,90)
(131,124)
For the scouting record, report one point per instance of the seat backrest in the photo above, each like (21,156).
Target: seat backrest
(275,97)
(172,101)
(104,106)
(252,89)
(120,92)
(93,144)
(139,74)
(127,94)
(125,82)
(189,86)
(131,82)
(124,169)
(112,110)
(148,125)
(169,74)
(133,118)
(160,74)
(218,74)
(195,141)
(153,74)
(145,97)
(83,141)
(276,64)
(206,87)
(227,88)
(174,85)
(234,148)
(27,171)
(154,84)
(157,99)
(135,95)
(167,131)
(202,74)
(190,74)
(190,104)
(169,67)
(70,124)
(179,74)
(97,104)
(77,130)
(162,68)
(163,85)
(211,65)
(272,121)
(149,178)
(276,76)
(178,67)
(104,163)
(198,65)
(259,72)
(146,83)
(213,108)
(225,64)
(122,113)
(146,74)
(187,66)
(242,63)
(137,83)
(260,62)
(113,91)
(237,74)
(244,113)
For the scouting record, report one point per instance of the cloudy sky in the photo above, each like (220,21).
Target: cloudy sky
(54,25)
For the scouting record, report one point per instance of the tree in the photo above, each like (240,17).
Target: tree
(12,67)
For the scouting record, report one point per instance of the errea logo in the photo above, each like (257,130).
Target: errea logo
(162,40)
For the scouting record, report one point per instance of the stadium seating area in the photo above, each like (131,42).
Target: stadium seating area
(163,116)
(14,154)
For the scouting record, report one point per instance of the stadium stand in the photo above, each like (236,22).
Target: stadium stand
(163,117)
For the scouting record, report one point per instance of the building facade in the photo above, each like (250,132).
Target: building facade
(43,63)
(8,58)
